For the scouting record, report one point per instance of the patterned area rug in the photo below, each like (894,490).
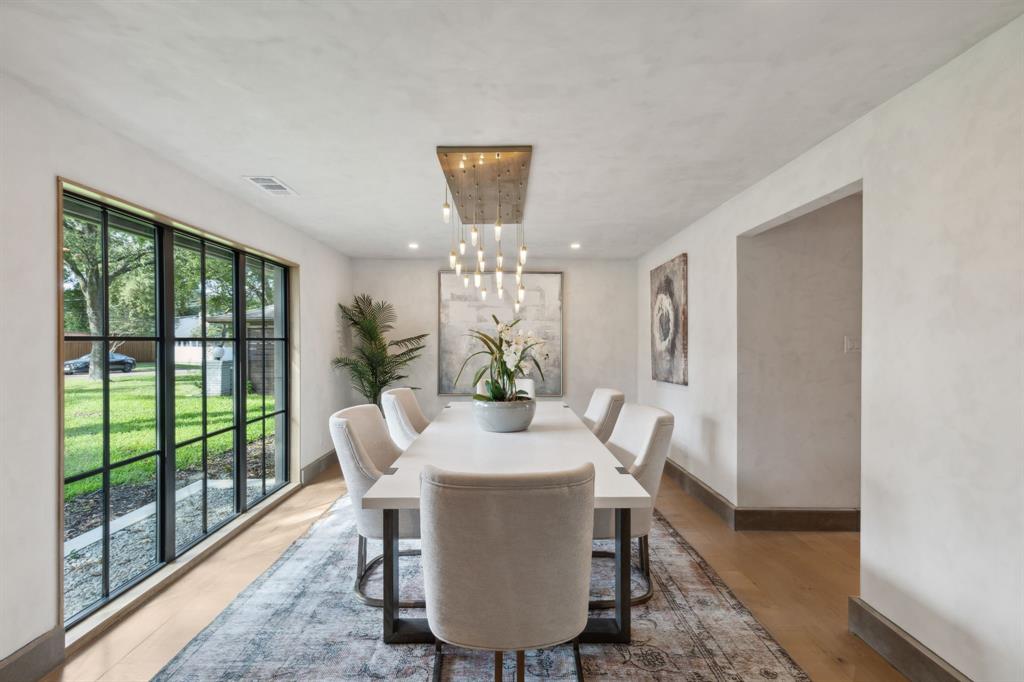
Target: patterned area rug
(300,621)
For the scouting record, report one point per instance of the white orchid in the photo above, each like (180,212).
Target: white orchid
(512,354)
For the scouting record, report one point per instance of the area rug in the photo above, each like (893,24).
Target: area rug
(301,621)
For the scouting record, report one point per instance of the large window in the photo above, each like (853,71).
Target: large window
(175,360)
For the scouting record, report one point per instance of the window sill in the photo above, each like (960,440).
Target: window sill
(109,615)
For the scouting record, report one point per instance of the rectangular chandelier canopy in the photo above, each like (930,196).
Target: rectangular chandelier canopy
(474,176)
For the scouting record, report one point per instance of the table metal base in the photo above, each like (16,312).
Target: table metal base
(598,631)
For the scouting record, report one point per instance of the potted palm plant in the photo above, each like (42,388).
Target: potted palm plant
(498,404)
(376,362)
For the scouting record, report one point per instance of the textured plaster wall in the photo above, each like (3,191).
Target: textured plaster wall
(799,296)
(598,299)
(942,171)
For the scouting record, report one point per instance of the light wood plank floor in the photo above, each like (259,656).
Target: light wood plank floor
(796,584)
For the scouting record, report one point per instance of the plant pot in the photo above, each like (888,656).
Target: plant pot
(504,417)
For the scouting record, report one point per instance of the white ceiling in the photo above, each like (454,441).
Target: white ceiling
(643,116)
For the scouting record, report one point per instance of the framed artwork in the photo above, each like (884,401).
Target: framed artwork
(459,309)
(669,360)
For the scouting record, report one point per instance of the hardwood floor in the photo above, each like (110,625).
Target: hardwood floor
(796,584)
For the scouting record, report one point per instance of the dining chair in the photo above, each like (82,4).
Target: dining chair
(366,452)
(506,560)
(528,385)
(404,417)
(640,441)
(603,411)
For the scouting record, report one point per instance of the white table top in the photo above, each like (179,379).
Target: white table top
(556,440)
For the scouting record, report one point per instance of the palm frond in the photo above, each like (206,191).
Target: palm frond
(372,366)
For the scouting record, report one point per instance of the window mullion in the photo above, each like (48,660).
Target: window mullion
(105,364)
(165,392)
(241,386)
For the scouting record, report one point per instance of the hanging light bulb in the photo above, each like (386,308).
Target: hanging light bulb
(474,234)
(519,277)
(498,274)
(501,294)
(516,306)
(522,254)
(483,266)
(451,259)
(483,294)
(477,277)
(465,281)
(480,252)
(462,247)
(497,230)
(499,261)
(458,268)
(446,208)
(519,271)
(522,293)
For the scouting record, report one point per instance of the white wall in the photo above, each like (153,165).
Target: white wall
(942,492)
(598,296)
(799,296)
(41,140)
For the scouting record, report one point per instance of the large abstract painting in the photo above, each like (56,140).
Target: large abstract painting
(460,309)
(669,361)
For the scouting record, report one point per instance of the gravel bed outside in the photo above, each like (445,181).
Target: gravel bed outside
(133,548)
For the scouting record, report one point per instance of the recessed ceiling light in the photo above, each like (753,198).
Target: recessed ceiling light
(413,245)
(575,245)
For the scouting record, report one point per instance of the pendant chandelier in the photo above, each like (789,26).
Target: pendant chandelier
(488,188)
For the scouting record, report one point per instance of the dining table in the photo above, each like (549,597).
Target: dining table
(556,440)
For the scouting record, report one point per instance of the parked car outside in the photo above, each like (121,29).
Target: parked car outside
(116,361)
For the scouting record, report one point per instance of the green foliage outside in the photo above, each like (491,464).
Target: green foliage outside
(133,425)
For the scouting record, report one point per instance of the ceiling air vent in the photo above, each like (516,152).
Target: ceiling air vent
(271,185)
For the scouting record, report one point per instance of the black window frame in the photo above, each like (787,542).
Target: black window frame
(165,342)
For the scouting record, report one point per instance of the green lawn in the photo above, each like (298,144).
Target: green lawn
(133,424)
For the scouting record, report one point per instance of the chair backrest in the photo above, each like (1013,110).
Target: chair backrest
(527,385)
(405,420)
(364,450)
(640,441)
(506,557)
(603,411)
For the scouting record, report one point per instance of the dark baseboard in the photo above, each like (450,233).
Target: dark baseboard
(897,646)
(697,488)
(754,518)
(35,659)
(764,518)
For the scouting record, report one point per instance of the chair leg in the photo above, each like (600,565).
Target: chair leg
(499,662)
(438,661)
(363,570)
(643,547)
(578,660)
(520,666)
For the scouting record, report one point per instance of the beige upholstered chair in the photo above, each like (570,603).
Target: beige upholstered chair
(405,419)
(366,452)
(603,411)
(640,441)
(527,385)
(506,559)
